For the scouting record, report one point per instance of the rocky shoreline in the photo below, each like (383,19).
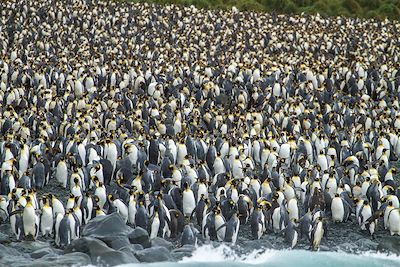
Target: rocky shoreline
(107,241)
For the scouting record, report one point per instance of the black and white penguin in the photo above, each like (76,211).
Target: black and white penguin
(30,220)
(257,223)
(46,218)
(317,233)
(291,235)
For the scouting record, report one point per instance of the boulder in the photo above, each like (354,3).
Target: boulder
(99,252)
(75,258)
(6,251)
(154,254)
(115,242)
(113,258)
(139,236)
(105,226)
(88,245)
(131,248)
(160,242)
(184,251)
(42,252)
(29,246)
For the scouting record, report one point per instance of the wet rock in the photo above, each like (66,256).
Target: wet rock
(4,238)
(139,236)
(184,251)
(29,246)
(75,258)
(250,245)
(115,242)
(42,252)
(88,245)
(324,248)
(390,244)
(6,251)
(131,249)
(105,226)
(154,254)
(99,252)
(15,261)
(367,244)
(160,242)
(113,258)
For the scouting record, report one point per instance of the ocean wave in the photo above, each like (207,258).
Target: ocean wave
(223,255)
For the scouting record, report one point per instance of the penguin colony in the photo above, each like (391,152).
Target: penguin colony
(192,123)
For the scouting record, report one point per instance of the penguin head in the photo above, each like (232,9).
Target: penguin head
(45,202)
(110,197)
(365,203)
(186,186)
(98,209)
(132,192)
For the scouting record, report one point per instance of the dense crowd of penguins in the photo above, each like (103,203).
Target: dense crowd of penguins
(193,122)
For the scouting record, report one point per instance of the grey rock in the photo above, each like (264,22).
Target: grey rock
(139,236)
(7,251)
(160,242)
(184,251)
(390,244)
(105,226)
(88,245)
(250,245)
(99,252)
(185,248)
(131,248)
(177,256)
(154,254)
(367,244)
(15,261)
(324,248)
(75,258)
(29,246)
(113,258)
(42,252)
(115,242)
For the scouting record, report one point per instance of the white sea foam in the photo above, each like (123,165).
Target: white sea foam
(223,253)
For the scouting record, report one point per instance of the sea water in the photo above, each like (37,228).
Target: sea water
(223,256)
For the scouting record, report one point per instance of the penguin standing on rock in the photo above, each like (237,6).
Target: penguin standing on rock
(317,233)
(46,219)
(188,200)
(30,220)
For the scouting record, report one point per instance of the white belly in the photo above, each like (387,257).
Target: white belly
(189,203)
(337,210)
